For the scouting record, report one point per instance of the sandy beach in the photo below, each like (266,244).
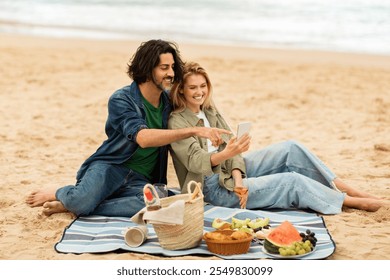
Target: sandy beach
(54,93)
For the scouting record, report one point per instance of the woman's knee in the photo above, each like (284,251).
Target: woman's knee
(295,151)
(292,144)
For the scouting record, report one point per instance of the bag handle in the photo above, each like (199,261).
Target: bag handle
(151,198)
(196,192)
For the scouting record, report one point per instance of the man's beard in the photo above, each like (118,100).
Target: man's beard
(161,85)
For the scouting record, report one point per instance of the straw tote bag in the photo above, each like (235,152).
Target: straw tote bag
(190,233)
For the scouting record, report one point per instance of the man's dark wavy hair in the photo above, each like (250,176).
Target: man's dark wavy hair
(147,57)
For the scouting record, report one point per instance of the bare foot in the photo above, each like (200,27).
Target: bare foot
(367,204)
(53,207)
(38,198)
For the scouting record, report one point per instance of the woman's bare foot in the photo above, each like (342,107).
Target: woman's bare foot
(363,203)
(53,207)
(38,198)
(351,191)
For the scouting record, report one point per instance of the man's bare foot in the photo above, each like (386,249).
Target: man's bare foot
(53,207)
(38,198)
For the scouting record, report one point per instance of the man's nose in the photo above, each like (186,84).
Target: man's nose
(171,72)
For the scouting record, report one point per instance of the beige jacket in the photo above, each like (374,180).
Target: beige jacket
(190,157)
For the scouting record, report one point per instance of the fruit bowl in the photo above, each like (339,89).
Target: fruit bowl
(228,246)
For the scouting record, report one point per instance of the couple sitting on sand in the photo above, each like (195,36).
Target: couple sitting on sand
(144,121)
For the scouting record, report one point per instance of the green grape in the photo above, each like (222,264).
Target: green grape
(301,252)
(282,252)
(296,248)
(291,252)
(306,247)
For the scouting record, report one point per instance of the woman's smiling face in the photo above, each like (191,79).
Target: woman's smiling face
(195,91)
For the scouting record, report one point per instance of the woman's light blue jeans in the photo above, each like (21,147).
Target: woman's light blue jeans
(285,176)
(105,189)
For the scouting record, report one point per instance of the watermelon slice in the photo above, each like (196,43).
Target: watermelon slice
(281,236)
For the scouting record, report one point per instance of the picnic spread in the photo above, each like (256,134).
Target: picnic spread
(182,224)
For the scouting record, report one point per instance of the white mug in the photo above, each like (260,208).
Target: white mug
(136,236)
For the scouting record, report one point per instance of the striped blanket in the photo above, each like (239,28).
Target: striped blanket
(98,234)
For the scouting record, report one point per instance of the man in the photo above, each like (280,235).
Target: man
(110,182)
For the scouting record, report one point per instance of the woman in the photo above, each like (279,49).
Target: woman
(284,175)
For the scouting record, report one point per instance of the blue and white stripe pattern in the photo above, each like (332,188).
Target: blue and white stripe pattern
(98,234)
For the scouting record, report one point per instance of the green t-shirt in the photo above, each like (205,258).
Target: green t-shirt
(144,160)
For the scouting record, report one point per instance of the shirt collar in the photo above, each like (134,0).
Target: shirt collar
(191,117)
(138,96)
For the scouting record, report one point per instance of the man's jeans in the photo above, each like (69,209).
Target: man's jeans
(105,189)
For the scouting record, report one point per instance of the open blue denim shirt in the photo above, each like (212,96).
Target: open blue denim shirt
(126,117)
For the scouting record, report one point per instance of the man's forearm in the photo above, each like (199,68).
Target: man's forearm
(160,137)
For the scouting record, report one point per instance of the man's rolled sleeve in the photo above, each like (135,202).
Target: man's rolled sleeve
(124,116)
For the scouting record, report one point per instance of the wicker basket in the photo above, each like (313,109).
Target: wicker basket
(189,234)
(229,247)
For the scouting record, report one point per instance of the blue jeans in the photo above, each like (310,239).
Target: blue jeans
(105,189)
(284,175)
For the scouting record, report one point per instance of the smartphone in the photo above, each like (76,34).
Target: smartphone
(243,128)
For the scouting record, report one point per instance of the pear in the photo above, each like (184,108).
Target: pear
(246,229)
(220,224)
(258,223)
(237,223)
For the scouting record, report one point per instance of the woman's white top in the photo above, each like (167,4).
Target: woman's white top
(210,148)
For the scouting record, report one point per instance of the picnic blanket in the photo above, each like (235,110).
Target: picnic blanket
(99,234)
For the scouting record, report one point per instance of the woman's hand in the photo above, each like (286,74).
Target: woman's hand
(237,146)
(242,193)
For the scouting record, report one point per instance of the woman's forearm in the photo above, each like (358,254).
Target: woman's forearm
(219,157)
(237,177)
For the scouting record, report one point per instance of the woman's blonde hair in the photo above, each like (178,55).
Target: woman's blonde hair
(177,97)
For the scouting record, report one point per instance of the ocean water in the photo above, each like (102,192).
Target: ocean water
(361,26)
